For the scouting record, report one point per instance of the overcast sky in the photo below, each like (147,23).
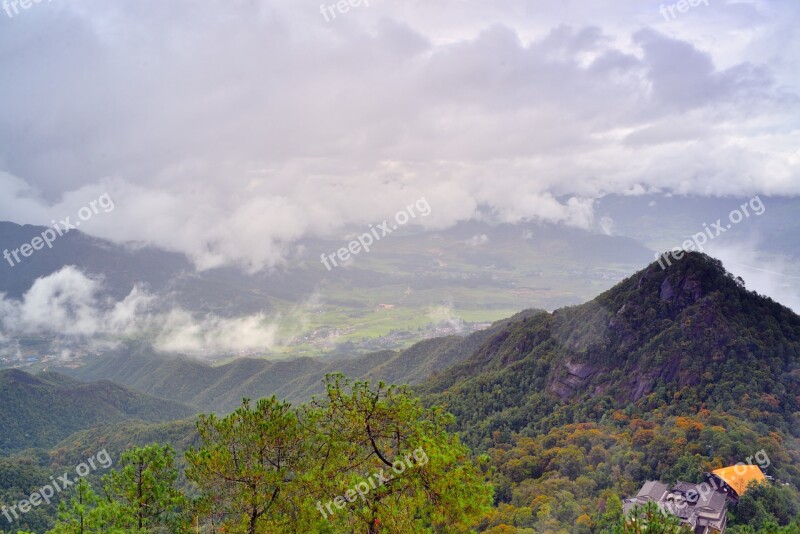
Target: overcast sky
(229,129)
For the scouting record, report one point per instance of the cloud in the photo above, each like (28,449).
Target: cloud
(68,304)
(765,274)
(64,302)
(181,332)
(477,240)
(230,130)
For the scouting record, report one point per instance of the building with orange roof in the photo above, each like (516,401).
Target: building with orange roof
(738,477)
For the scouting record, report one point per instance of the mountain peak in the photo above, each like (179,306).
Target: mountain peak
(687,279)
(690,326)
(670,285)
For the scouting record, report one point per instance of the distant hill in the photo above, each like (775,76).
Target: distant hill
(231,289)
(121,267)
(221,388)
(40,411)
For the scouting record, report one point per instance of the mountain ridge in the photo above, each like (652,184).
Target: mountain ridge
(221,388)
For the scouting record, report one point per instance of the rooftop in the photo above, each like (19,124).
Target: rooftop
(738,477)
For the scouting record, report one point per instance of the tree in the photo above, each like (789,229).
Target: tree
(75,517)
(142,495)
(613,510)
(248,464)
(359,459)
(426,477)
(650,519)
(86,513)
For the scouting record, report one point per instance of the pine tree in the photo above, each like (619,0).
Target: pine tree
(142,493)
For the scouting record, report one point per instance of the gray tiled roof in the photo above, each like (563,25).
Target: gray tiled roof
(695,504)
(653,490)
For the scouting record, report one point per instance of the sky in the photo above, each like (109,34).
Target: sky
(229,130)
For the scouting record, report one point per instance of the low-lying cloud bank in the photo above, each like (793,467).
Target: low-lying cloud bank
(69,304)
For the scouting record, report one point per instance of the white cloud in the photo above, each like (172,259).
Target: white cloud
(69,304)
(63,302)
(181,332)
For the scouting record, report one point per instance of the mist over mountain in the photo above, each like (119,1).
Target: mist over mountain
(110,293)
(96,294)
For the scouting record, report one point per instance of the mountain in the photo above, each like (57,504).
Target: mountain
(670,374)
(41,410)
(658,334)
(121,267)
(222,388)
(689,332)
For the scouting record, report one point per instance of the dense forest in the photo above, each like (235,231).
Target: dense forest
(373,459)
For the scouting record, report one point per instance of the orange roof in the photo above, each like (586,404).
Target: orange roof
(739,476)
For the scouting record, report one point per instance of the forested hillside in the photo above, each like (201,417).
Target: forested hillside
(39,411)
(666,376)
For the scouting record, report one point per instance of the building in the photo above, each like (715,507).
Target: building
(702,507)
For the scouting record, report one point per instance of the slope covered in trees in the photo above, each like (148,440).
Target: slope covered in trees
(359,458)
(39,411)
(682,338)
(668,375)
